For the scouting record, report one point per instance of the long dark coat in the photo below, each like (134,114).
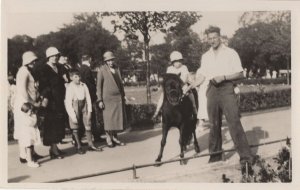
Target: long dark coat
(52,87)
(112,95)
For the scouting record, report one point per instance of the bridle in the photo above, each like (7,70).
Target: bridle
(173,89)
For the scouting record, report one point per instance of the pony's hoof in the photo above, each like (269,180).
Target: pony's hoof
(197,150)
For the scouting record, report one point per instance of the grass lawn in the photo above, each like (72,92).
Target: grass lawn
(138,95)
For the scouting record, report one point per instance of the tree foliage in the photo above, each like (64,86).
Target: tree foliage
(85,35)
(180,38)
(264,40)
(16,47)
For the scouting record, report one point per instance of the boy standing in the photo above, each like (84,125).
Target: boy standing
(79,108)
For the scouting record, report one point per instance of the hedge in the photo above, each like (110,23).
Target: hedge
(139,115)
(255,101)
(250,81)
(140,83)
(262,81)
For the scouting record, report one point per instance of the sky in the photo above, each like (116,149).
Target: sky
(35,24)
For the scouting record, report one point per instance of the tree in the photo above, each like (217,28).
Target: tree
(146,23)
(132,49)
(180,38)
(249,18)
(85,35)
(264,40)
(190,45)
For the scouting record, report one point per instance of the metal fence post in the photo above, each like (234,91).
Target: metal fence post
(247,174)
(134,172)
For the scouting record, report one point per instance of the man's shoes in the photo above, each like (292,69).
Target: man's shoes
(247,167)
(23,160)
(93,148)
(215,158)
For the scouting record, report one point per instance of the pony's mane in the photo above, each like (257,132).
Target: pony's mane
(172,85)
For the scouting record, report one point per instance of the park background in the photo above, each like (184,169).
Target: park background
(142,42)
(264,58)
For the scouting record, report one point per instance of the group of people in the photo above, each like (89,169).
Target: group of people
(61,96)
(258,74)
(76,92)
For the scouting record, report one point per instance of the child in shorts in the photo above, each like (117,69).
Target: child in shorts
(79,108)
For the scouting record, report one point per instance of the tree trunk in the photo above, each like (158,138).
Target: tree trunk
(146,48)
(288,70)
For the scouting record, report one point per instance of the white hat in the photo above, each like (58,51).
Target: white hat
(175,56)
(28,57)
(108,56)
(51,51)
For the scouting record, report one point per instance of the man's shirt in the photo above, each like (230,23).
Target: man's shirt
(223,61)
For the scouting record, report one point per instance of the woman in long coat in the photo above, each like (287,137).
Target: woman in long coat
(53,92)
(111,98)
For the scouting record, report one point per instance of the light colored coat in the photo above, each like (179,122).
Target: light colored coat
(26,91)
(114,114)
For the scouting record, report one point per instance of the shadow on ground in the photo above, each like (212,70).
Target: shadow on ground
(139,135)
(18,179)
(253,136)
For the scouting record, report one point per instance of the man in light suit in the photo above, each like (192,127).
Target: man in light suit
(111,99)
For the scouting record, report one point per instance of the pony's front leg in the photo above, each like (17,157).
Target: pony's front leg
(165,130)
(182,146)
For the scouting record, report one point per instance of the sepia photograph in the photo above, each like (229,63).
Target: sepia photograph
(139,95)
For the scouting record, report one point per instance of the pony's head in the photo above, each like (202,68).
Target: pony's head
(172,85)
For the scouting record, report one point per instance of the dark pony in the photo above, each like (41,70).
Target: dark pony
(177,111)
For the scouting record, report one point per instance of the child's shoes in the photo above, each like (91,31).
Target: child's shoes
(33,164)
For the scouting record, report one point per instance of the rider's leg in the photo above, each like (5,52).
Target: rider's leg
(159,104)
(192,98)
